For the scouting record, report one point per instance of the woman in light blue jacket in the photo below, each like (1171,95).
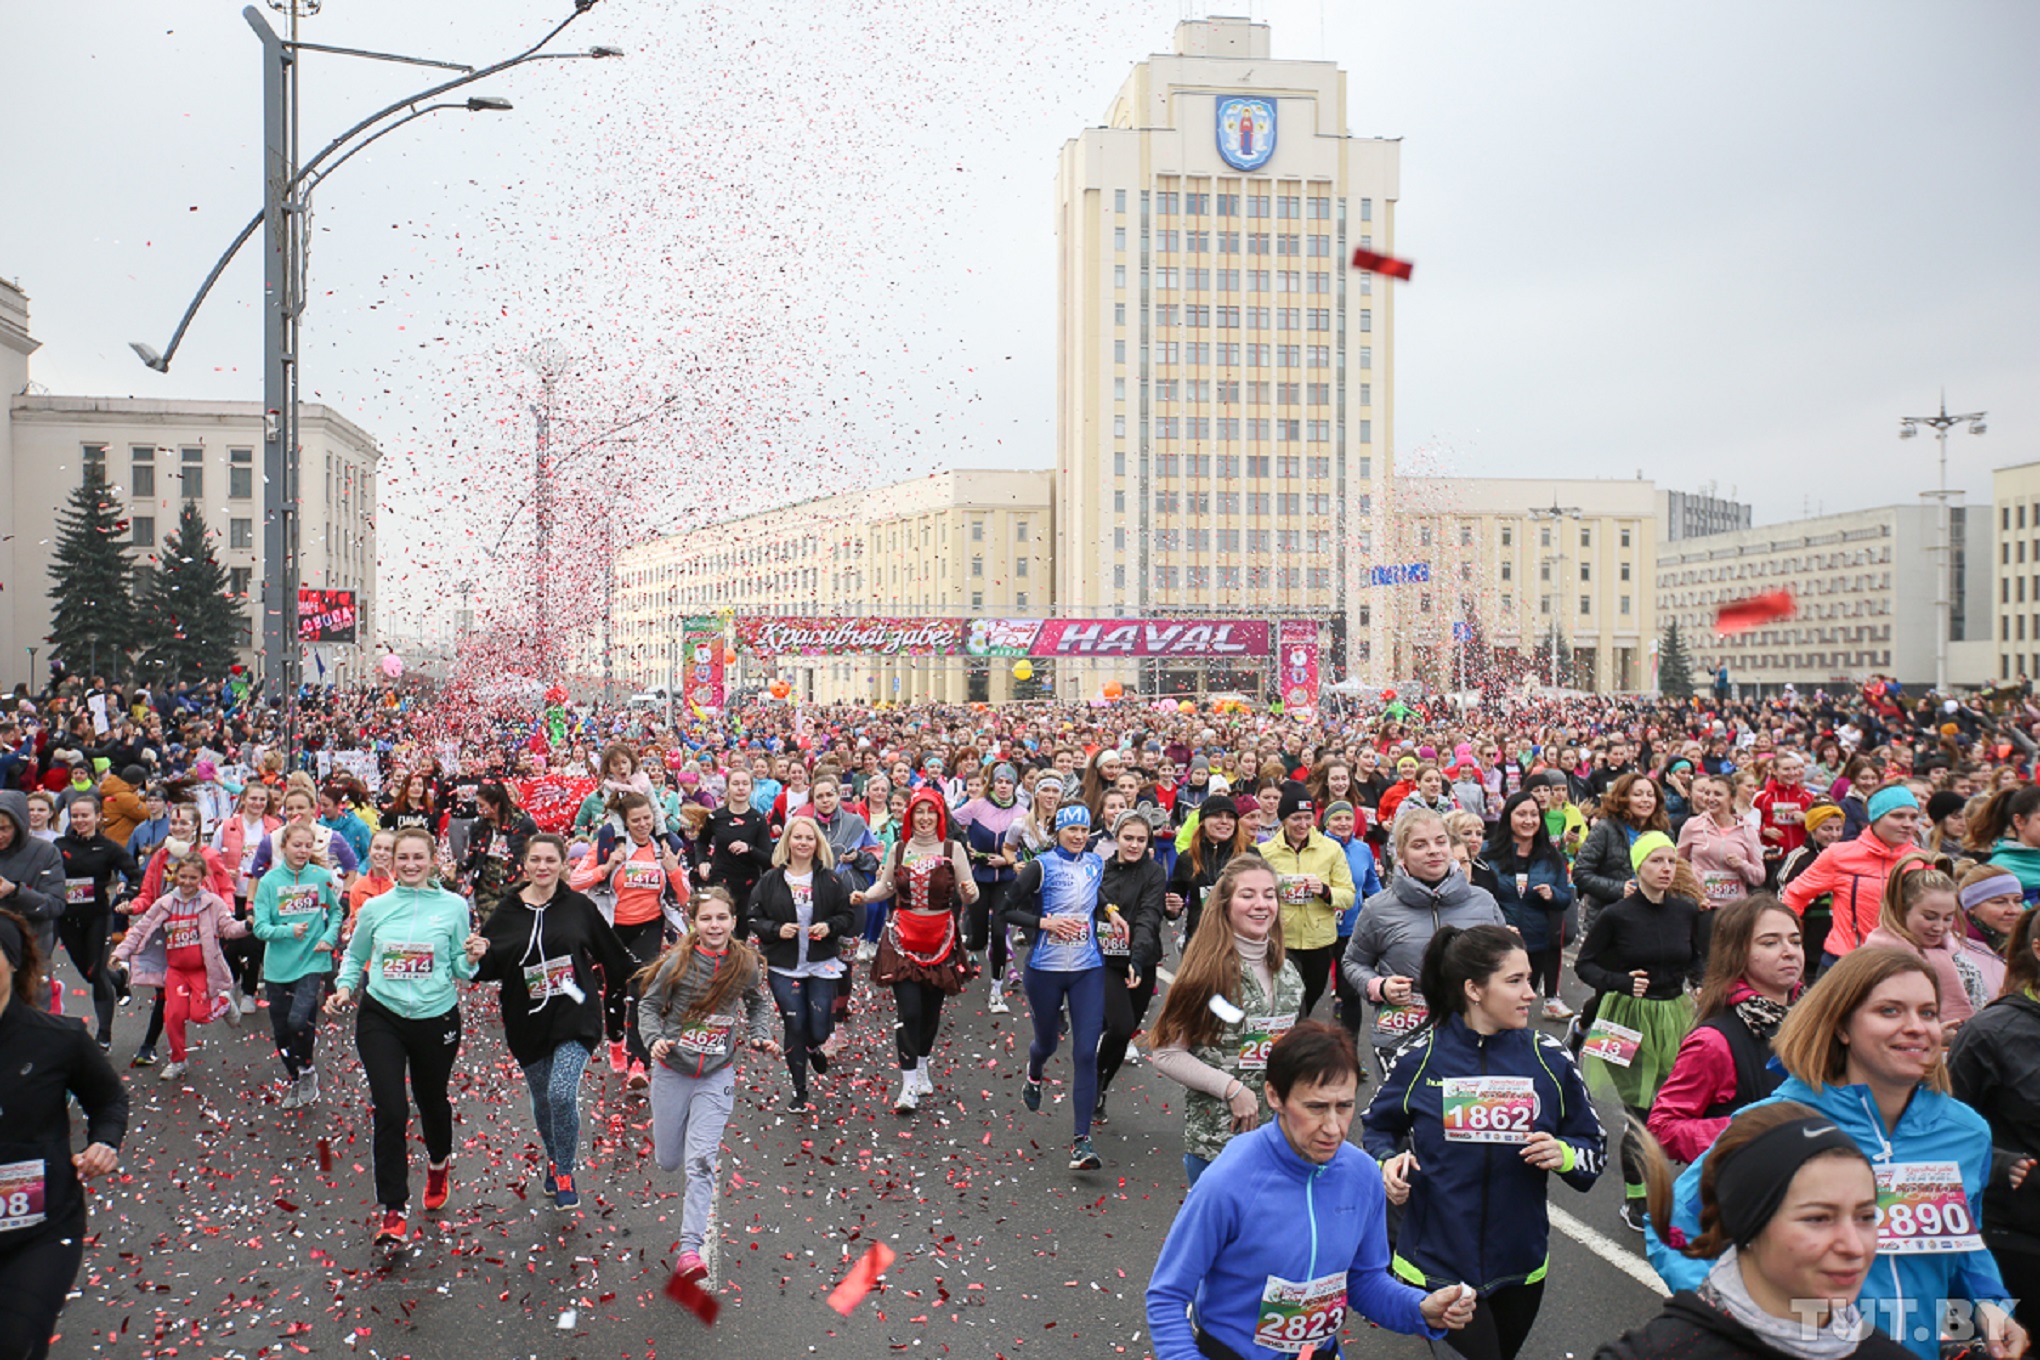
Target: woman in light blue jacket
(1864,1049)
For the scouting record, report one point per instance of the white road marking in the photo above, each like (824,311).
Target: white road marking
(1609,1250)
(711,1243)
(1166,976)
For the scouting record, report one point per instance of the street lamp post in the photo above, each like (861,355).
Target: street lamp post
(1944,547)
(1552,515)
(286,187)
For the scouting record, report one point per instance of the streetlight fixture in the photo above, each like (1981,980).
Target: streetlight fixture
(286,190)
(1944,548)
(1551,515)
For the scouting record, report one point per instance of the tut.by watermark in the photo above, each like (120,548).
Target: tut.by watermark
(1906,1320)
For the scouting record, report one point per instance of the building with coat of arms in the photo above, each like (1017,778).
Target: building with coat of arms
(1224,378)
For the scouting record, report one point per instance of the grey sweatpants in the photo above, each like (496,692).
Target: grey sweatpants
(688,1118)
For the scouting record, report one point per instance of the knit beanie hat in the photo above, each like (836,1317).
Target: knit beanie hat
(1818,814)
(1891,798)
(1295,798)
(1944,804)
(1645,846)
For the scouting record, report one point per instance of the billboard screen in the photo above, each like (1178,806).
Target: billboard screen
(325,615)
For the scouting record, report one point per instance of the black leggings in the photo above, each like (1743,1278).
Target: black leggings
(390,1044)
(1315,967)
(294,1021)
(1125,1008)
(1501,1324)
(920,1019)
(642,942)
(34,1278)
(984,926)
(84,939)
(1547,968)
(244,955)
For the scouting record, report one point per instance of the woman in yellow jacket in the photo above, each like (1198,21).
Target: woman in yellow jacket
(1315,885)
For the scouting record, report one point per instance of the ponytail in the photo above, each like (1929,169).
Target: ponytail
(1456,957)
(1993,822)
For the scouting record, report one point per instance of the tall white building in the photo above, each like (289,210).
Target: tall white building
(157,456)
(1223,377)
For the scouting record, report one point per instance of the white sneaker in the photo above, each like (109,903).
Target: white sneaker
(171,1072)
(308,1088)
(231,1013)
(923,1080)
(866,951)
(247,1005)
(1555,1009)
(999,1006)
(293,1098)
(909,1098)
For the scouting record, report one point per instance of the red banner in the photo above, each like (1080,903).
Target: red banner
(1182,638)
(831,637)
(1296,653)
(552,800)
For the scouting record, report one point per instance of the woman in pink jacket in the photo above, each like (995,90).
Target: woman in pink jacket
(1722,848)
(196,977)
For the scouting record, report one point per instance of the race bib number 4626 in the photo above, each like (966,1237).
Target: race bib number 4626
(1489,1109)
(1921,1207)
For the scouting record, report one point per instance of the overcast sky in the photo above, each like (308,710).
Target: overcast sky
(1729,244)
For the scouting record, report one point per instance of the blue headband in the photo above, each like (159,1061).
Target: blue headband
(1891,799)
(1072,814)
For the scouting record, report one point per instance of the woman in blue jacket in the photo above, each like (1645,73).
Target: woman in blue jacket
(1533,887)
(1486,1109)
(1864,1049)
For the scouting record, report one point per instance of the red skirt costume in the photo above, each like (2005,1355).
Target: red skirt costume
(920,941)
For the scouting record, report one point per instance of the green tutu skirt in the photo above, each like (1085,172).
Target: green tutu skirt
(1663,1025)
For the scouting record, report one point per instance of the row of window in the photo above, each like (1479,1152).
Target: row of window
(1236,578)
(1229,540)
(1169,242)
(1230,389)
(142,532)
(1259,429)
(1230,280)
(188,470)
(1227,466)
(1258,202)
(1200,316)
(1231,354)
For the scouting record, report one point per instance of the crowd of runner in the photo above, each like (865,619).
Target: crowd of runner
(1804,927)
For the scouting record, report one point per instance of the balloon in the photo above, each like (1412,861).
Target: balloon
(1388,696)
(1113,689)
(393,665)
(780,689)
(1023,669)
(1186,707)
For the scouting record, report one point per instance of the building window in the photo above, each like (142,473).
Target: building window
(94,456)
(1586,603)
(240,533)
(1119,576)
(193,468)
(977,566)
(238,579)
(1020,530)
(1119,200)
(1119,502)
(142,480)
(1020,599)
(241,474)
(1508,535)
(1508,571)
(1020,566)
(1625,604)
(144,531)
(1625,543)
(1119,276)
(977,526)
(1366,210)
(977,599)
(1586,538)
(1586,571)
(1118,351)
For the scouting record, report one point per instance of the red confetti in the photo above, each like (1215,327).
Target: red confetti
(325,1155)
(863,1277)
(1382,264)
(690,1296)
(1739,616)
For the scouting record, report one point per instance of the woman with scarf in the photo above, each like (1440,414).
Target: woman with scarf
(1642,952)
(1057,897)
(1386,954)
(921,957)
(1756,969)
(1788,1221)
(564,977)
(2006,832)
(985,822)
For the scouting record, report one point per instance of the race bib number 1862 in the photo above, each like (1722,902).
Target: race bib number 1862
(1489,1109)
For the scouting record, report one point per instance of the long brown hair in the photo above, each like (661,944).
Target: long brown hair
(1211,965)
(1809,1044)
(1744,1129)
(1615,803)
(2022,968)
(1199,842)
(28,986)
(677,964)
(1728,948)
(1993,822)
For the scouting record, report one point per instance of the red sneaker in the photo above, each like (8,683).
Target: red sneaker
(619,1058)
(690,1266)
(436,1178)
(638,1079)
(393,1229)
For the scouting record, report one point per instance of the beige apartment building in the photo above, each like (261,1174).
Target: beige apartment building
(2015,549)
(960,544)
(159,455)
(1863,585)
(1223,376)
(1511,570)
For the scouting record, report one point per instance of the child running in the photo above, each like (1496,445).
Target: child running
(196,977)
(297,917)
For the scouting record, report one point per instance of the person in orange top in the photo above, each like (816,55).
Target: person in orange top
(638,881)
(377,879)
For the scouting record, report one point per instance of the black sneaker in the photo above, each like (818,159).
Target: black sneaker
(144,1057)
(1098,1111)
(1030,1094)
(1632,1215)
(819,1061)
(1082,1158)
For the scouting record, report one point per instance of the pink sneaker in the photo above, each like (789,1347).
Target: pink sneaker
(690,1266)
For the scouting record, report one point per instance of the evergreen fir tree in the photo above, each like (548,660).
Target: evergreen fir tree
(1675,665)
(193,621)
(93,625)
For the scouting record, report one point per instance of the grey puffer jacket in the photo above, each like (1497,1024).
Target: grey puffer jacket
(1394,929)
(34,868)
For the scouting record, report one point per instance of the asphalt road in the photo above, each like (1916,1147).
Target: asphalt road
(222,1237)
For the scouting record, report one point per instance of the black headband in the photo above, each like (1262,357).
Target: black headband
(1752,1183)
(11,942)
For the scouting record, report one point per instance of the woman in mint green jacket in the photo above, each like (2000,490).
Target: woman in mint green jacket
(411,942)
(298,916)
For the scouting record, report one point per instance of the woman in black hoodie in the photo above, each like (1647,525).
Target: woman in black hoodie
(90,862)
(1131,889)
(564,977)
